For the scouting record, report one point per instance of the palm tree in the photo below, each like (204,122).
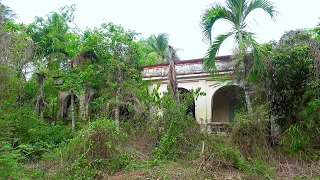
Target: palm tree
(236,13)
(159,45)
(163,52)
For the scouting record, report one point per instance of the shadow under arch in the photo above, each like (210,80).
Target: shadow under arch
(192,107)
(225,101)
(67,105)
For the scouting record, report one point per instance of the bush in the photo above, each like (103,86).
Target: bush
(10,168)
(244,149)
(172,124)
(25,137)
(251,135)
(304,135)
(93,151)
(33,136)
(289,75)
(219,153)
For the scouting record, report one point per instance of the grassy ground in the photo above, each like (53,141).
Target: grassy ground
(201,157)
(176,170)
(284,167)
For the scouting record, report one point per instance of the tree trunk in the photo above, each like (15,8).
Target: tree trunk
(105,105)
(117,109)
(248,100)
(53,118)
(39,102)
(247,64)
(73,124)
(172,74)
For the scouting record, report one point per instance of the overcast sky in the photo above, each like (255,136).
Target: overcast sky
(179,18)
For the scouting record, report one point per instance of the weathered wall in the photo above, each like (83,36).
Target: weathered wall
(192,75)
(84,100)
(184,68)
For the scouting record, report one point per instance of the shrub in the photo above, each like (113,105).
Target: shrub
(32,135)
(289,74)
(250,135)
(25,137)
(10,168)
(94,150)
(220,152)
(304,135)
(172,124)
(244,149)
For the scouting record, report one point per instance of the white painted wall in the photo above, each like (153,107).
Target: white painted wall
(203,109)
(191,75)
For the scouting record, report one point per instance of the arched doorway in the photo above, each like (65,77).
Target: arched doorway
(225,101)
(67,106)
(191,108)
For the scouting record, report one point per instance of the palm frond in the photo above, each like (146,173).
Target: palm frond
(265,5)
(152,41)
(212,52)
(210,17)
(159,44)
(257,65)
(237,7)
(162,41)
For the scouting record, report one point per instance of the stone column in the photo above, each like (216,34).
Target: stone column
(62,103)
(82,106)
(201,108)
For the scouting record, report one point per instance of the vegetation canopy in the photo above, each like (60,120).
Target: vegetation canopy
(75,104)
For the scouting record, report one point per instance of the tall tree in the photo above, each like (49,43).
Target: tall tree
(16,48)
(166,53)
(236,12)
(118,60)
(160,47)
(172,72)
(6,13)
(55,43)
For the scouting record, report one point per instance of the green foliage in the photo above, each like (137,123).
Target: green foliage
(10,168)
(149,58)
(236,13)
(251,135)
(96,58)
(295,90)
(304,135)
(156,47)
(24,138)
(220,152)
(290,75)
(32,136)
(95,150)
(171,122)
(117,53)
(54,40)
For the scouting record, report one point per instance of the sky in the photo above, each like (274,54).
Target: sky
(179,18)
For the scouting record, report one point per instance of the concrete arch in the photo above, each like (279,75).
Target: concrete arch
(223,103)
(66,102)
(62,103)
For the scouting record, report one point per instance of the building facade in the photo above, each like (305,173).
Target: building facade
(212,111)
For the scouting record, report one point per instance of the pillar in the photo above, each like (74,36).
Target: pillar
(201,108)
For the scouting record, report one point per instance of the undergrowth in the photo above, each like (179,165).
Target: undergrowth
(95,152)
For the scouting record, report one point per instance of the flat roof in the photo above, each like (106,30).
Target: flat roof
(189,61)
